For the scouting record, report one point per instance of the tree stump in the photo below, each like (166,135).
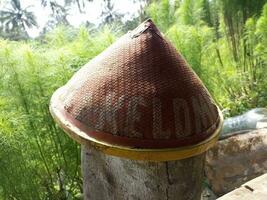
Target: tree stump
(112,178)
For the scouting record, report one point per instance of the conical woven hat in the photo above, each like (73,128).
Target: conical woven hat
(138,94)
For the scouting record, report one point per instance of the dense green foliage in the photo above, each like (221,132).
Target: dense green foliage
(38,161)
(224,42)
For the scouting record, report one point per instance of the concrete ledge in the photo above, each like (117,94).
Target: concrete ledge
(255,189)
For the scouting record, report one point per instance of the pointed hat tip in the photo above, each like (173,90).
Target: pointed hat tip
(145,26)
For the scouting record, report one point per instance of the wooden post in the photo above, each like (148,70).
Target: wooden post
(112,178)
(139,100)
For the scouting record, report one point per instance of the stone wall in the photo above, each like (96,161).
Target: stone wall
(236,160)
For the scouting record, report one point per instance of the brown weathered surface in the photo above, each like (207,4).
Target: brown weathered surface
(236,160)
(255,189)
(112,178)
(138,93)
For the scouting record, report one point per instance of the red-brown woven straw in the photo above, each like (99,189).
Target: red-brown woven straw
(140,93)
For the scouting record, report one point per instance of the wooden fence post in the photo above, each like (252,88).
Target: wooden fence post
(141,102)
(114,178)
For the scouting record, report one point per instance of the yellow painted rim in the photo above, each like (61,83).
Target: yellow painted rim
(133,153)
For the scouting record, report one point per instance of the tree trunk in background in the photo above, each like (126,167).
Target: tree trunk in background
(112,178)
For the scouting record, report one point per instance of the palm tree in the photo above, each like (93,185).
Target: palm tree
(108,13)
(55,3)
(15,20)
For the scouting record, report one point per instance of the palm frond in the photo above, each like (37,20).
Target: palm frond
(16,4)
